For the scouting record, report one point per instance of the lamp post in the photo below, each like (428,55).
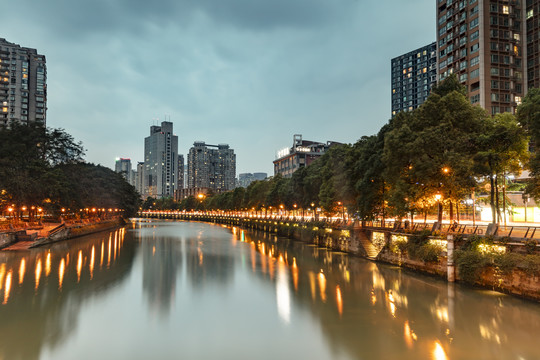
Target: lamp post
(439,212)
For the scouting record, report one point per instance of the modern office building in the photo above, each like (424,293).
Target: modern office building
(123,166)
(23,84)
(160,161)
(302,153)
(413,76)
(484,44)
(211,166)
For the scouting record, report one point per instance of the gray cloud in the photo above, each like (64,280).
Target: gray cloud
(244,72)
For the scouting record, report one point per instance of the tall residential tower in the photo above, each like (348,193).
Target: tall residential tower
(211,166)
(23,84)
(413,76)
(483,43)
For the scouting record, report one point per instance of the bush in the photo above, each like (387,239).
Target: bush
(429,253)
(470,264)
(508,262)
(530,246)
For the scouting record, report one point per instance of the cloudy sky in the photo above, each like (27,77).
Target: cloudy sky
(250,73)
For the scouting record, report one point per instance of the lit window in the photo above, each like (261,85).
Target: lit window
(530,14)
(5,109)
(506,10)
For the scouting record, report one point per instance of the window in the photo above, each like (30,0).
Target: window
(475,99)
(463,65)
(475,48)
(475,60)
(475,73)
(474,35)
(494,97)
(530,14)
(463,77)
(473,24)
(494,84)
(494,59)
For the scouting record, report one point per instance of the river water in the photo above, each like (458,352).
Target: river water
(181,290)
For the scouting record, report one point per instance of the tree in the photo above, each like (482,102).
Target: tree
(528,115)
(430,151)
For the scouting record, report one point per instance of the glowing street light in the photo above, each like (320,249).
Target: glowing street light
(439,212)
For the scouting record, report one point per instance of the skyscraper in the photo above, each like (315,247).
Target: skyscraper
(211,166)
(123,166)
(23,84)
(482,42)
(160,161)
(413,76)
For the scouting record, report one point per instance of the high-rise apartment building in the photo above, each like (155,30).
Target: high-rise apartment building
(23,84)
(123,166)
(160,161)
(482,42)
(211,166)
(413,76)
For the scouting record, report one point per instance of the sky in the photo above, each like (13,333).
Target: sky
(248,73)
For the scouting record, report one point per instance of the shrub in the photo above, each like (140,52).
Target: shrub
(429,253)
(530,245)
(470,264)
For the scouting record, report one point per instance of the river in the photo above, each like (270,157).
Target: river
(189,290)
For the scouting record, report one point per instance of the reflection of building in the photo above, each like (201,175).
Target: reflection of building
(161,161)
(413,76)
(23,84)
(209,264)
(161,259)
(247,178)
(301,154)
(211,166)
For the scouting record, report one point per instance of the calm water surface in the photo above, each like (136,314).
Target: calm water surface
(180,290)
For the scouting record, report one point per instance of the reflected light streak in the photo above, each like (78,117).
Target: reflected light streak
(79,265)
(312,285)
(102,253)
(115,242)
(61,270)
(109,252)
(91,266)
(22,269)
(409,335)
(373,297)
(153,250)
(438,352)
(339,300)
(2,274)
(38,272)
(322,285)
(7,287)
(48,264)
(295,274)
(283,294)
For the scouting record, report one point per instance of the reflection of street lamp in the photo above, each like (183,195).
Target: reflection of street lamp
(439,212)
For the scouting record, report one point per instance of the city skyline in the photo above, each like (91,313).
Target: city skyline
(245,73)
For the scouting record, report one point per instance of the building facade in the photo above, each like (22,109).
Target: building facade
(211,166)
(160,161)
(482,42)
(302,153)
(247,178)
(23,85)
(123,166)
(413,76)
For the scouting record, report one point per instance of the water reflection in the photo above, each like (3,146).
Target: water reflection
(210,283)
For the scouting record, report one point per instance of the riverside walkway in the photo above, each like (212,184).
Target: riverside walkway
(516,232)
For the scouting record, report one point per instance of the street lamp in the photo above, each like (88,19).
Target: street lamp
(439,212)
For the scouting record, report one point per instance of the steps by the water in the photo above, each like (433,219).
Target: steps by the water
(19,245)
(371,251)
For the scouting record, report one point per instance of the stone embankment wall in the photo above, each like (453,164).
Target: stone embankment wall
(386,246)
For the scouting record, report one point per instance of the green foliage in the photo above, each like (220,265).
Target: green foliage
(530,246)
(470,264)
